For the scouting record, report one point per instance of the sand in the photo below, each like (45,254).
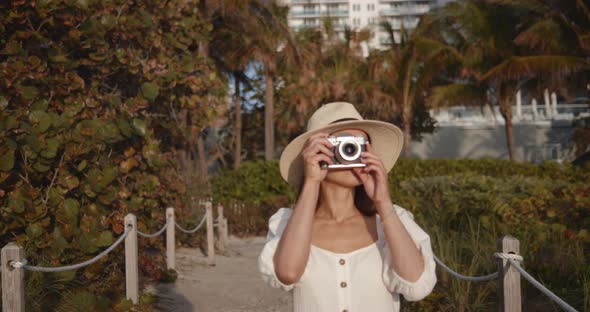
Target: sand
(232,284)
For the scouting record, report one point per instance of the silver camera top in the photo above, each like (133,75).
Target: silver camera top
(347,150)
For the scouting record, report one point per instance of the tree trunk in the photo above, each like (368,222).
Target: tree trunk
(203,168)
(407,104)
(407,120)
(238,125)
(269,131)
(509,137)
(506,109)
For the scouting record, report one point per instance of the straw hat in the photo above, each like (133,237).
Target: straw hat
(386,139)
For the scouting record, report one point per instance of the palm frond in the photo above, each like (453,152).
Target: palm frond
(583,7)
(526,66)
(457,93)
(430,48)
(535,6)
(544,35)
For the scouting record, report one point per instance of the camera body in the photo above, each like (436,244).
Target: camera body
(347,151)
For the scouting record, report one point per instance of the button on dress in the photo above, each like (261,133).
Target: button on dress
(357,281)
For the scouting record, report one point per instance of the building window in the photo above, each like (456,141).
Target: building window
(356,7)
(371,7)
(356,21)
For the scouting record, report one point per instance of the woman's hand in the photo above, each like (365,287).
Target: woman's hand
(316,150)
(374,178)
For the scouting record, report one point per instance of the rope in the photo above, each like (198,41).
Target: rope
(160,231)
(542,288)
(23,264)
(467,278)
(193,230)
(506,256)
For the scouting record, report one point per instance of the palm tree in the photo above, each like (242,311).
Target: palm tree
(406,70)
(232,54)
(268,33)
(493,66)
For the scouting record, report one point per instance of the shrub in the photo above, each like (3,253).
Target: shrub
(465,206)
(87,134)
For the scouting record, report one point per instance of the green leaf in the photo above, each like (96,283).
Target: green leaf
(34,230)
(41,167)
(59,243)
(29,92)
(40,105)
(108,21)
(51,148)
(71,208)
(7,159)
(124,127)
(139,126)
(105,239)
(71,182)
(82,165)
(149,90)
(16,205)
(41,119)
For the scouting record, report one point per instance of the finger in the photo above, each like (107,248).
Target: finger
(374,169)
(323,141)
(317,147)
(316,136)
(373,161)
(316,159)
(363,176)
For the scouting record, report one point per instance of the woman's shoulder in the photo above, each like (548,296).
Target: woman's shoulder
(281,213)
(278,221)
(401,212)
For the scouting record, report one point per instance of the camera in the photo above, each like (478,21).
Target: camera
(347,151)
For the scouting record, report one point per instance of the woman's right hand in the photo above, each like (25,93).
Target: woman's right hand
(317,149)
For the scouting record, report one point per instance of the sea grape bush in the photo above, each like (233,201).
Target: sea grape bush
(90,96)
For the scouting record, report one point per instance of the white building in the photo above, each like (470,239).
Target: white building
(540,132)
(360,14)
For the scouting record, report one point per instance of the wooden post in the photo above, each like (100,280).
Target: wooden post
(221,229)
(170,239)
(509,277)
(210,237)
(13,279)
(131,261)
(225,232)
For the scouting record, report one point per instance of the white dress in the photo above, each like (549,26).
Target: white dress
(357,281)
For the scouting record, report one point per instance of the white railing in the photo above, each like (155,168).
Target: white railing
(465,115)
(14,263)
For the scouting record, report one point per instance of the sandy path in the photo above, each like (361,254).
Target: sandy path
(233,284)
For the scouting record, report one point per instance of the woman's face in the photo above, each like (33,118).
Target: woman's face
(345,177)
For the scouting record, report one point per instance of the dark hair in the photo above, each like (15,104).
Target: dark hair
(362,201)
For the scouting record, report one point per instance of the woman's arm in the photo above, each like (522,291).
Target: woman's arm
(290,258)
(406,258)
(292,252)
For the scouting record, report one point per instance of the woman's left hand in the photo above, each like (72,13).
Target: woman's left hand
(374,177)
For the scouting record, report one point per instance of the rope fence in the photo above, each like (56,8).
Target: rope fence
(158,233)
(196,228)
(14,264)
(23,263)
(509,271)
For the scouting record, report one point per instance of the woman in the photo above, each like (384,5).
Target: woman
(345,246)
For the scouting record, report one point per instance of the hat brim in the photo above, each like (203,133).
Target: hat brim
(386,140)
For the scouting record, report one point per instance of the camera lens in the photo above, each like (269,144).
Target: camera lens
(349,149)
